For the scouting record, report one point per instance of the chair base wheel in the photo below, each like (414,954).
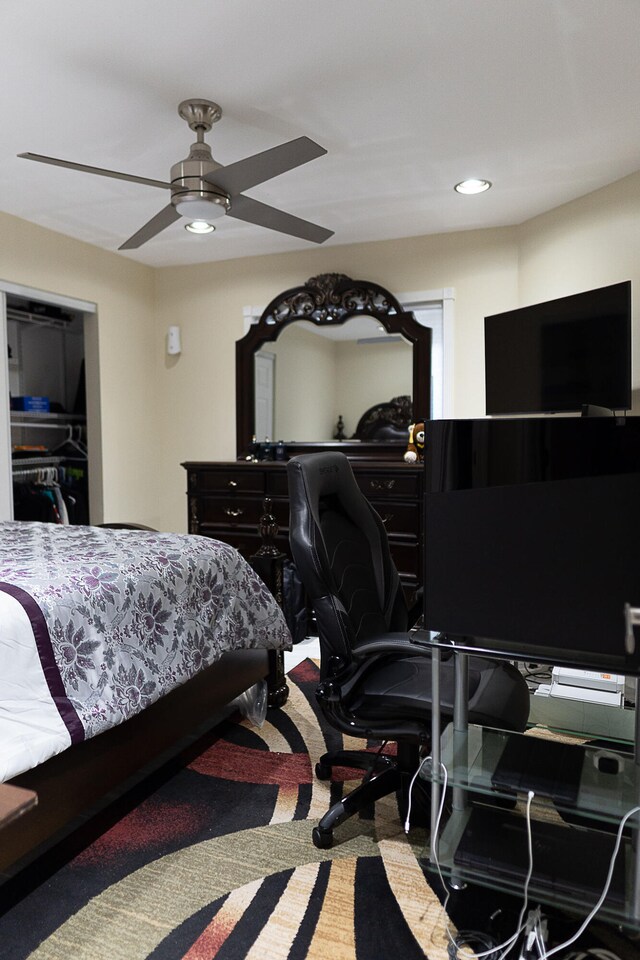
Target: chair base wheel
(323,771)
(322,839)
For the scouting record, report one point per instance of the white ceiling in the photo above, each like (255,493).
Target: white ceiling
(408,97)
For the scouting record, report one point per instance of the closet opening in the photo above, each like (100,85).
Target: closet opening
(46,382)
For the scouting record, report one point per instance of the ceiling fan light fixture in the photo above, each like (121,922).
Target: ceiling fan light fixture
(199,227)
(469,187)
(201,208)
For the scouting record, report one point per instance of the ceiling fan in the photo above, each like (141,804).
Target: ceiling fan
(203,190)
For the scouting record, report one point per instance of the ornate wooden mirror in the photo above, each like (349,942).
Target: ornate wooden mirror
(366,385)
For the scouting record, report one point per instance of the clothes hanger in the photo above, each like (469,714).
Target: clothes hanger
(71,441)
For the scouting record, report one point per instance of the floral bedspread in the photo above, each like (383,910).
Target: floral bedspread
(121,617)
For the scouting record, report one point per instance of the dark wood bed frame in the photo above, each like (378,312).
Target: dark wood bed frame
(84,779)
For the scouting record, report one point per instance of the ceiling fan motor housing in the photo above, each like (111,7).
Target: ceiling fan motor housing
(191,195)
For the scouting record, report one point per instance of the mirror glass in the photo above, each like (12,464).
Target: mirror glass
(312,376)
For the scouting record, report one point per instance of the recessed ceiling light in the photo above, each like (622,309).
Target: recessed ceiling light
(199,226)
(472,186)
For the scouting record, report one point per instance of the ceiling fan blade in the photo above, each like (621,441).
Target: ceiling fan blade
(83,168)
(165,218)
(252,211)
(240,176)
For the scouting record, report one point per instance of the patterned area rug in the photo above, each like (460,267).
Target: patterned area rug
(217,862)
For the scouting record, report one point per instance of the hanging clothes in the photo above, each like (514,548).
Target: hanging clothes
(50,494)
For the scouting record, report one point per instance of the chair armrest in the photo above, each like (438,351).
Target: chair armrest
(389,643)
(407,644)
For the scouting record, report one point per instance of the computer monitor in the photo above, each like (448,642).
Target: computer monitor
(561,355)
(532,537)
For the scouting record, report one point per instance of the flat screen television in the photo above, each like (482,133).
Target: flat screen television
(562,355)
(531,537)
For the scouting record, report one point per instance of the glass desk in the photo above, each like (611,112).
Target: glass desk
(483,838)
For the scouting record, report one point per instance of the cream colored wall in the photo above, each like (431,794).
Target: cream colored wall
(158,411)
(589,243)
(122,350)
(305,378)
(367,374)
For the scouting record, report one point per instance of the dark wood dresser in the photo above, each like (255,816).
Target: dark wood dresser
(226,501)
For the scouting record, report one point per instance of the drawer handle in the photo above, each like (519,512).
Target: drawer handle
(388,517)
(231,512)
(232,484)
(388,484)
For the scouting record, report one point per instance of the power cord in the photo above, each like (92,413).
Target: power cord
(494,952)
(410,792)
(585,923)
(534,925)
(473,939)
(535,935)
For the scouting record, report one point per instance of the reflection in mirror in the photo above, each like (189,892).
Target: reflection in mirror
(363,372)
(310,376)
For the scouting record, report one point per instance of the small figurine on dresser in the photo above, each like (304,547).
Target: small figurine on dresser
(415,448)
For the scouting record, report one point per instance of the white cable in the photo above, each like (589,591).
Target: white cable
(539,941)
(591,915)
(544,955)
(507,944)
(525,902)
(413,780)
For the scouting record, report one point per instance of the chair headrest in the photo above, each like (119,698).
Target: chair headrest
(316,477)
(326,475)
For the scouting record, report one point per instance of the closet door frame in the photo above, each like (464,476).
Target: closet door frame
(89,310)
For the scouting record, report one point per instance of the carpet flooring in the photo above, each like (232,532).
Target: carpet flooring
(215,860)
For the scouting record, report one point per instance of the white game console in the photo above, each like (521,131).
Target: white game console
(586,685)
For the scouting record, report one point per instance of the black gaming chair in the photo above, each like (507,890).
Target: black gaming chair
(375,683)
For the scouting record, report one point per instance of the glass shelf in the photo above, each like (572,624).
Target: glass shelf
(607,785)
(581,791)
(617,908)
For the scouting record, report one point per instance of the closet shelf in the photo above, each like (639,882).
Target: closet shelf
(24,418)
(26,465)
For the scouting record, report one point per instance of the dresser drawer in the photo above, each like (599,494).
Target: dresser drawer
(399,516)
(244,541)
(239,511)
(277,483)
(406,556)
(231,481)
(380,485)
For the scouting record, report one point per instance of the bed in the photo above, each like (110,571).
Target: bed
(389,420)
(114,646)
